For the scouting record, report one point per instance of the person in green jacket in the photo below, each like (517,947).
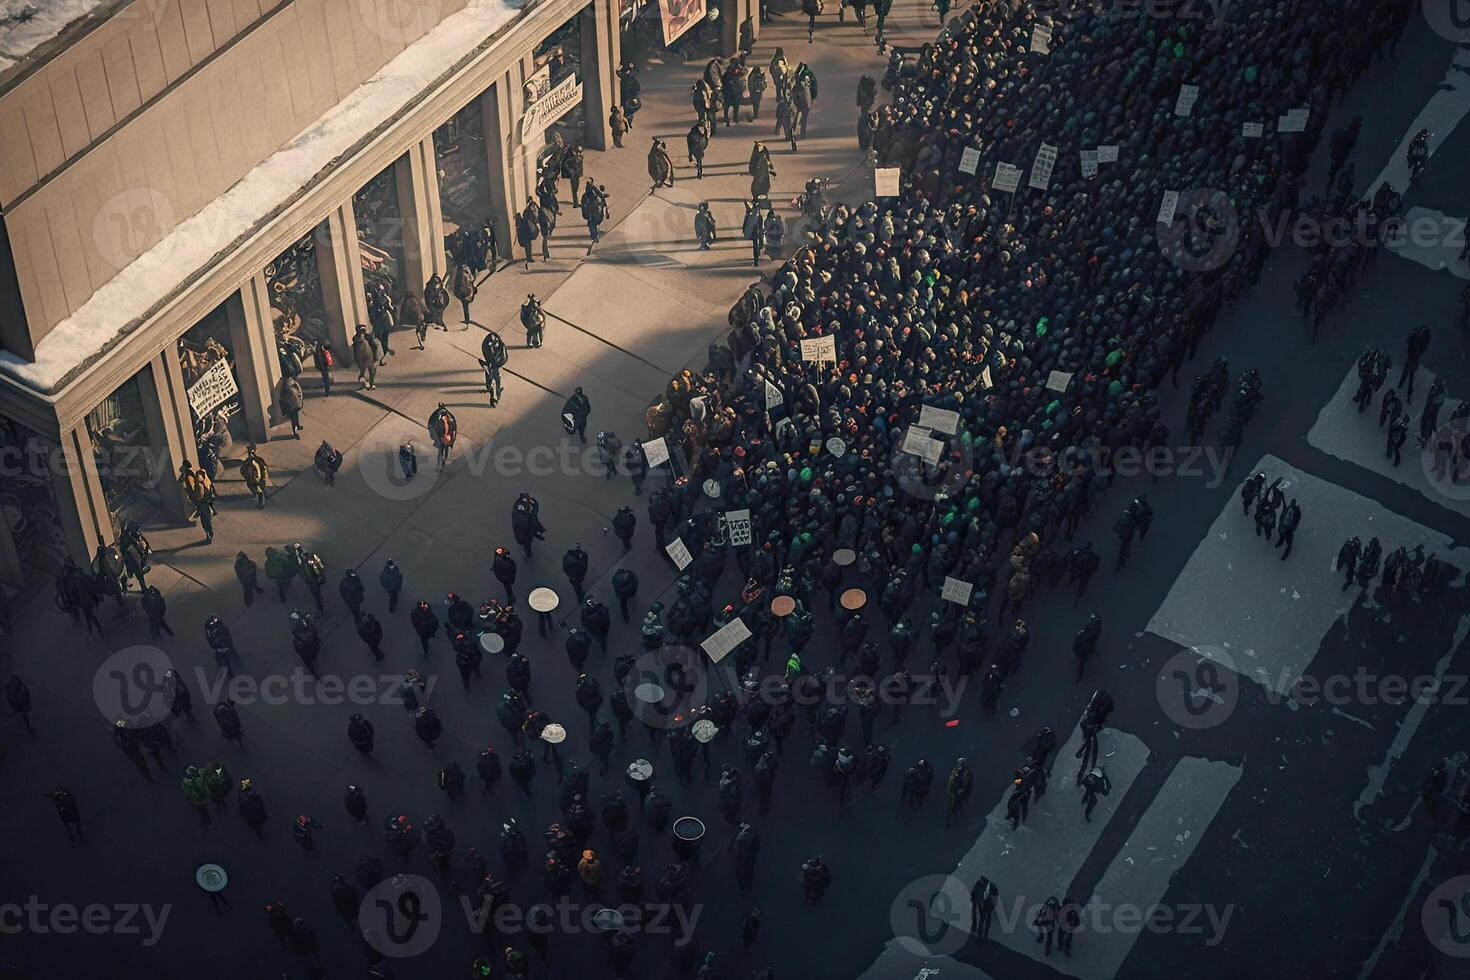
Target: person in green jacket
(219,784)
(196,794)
(280,568)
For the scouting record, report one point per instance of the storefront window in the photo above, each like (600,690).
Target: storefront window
(125,462)
(27,500)
(464,177)
(297,309)
(558,61)
(212,389)
(380,234)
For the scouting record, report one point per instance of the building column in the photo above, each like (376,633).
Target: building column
(257,368)
(416,179)
(170,425)
(501,108)
(601,54)
(339,262)
(81,506)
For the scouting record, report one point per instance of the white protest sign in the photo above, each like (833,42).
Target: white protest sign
(918,442)
(1253,131)
(1089,164)
(738,523)
(1058,380)
(214,387)
(680,553)
(656,451)
(1188,96)
(1168,206)
(719,644)
(885,181)
(1007,177)
(1295,121)
(1107,154)
(985,377)
(956,591)
(773,396)
(941,419)
(1041,39)
(819,349)
(970,160)
(1046,160)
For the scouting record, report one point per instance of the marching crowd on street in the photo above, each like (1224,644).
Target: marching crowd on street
(952,297)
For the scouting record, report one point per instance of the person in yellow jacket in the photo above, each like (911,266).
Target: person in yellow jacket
(256,473)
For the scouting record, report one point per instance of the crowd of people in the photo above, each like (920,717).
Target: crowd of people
(1039,324)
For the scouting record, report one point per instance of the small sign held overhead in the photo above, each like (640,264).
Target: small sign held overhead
(1007,177)
(656,451)
(1089,164)
(956,591)
(1295,121)
(1188,96)
(719,644)
(738,523)
(1107,154)
(774,398)
(1046,160)
(918,442)
(970,160)
(679,551)
(1168,206)
(1058,380)
(885,181)
(939,419)
(818,349)
(1041,39)
(1253,130)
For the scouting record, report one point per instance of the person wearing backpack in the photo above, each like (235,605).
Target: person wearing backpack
(324,360)
(465,289)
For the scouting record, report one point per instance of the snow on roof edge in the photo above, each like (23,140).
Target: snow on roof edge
(153,279)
